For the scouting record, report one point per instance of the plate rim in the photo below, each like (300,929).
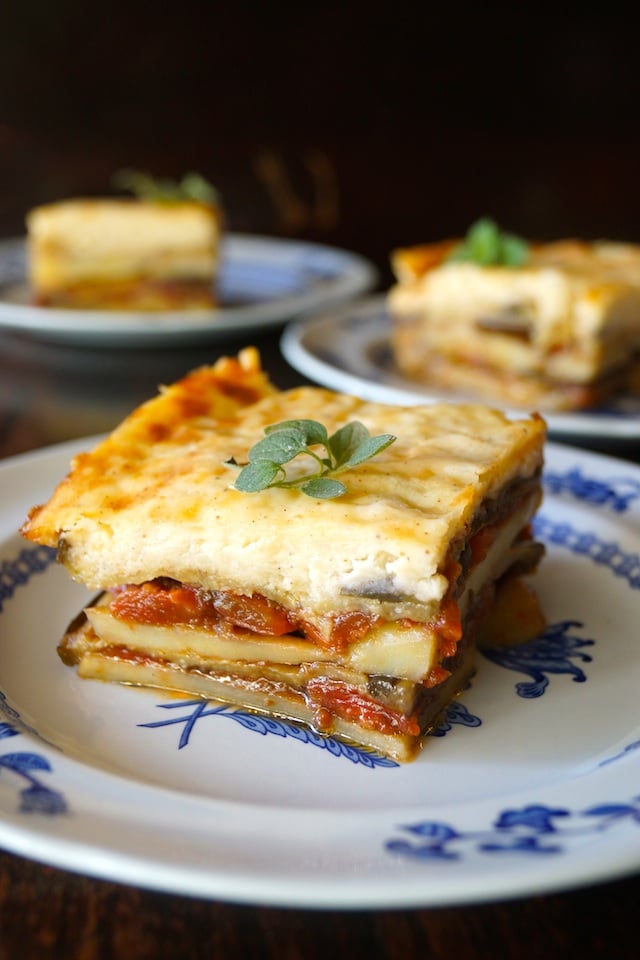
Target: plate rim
(356,276)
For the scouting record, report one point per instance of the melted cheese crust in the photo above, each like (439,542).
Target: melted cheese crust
(156,499)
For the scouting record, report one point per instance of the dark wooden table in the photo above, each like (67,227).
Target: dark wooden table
(51,393)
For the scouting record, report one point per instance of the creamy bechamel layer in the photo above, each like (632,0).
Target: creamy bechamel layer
(156,499)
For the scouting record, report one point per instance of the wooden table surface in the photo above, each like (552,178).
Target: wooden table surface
(51,393)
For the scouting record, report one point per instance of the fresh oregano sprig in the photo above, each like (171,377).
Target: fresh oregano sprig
(192,186)
(329,456)
(487,245)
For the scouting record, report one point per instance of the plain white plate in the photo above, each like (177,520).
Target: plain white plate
(532,788)
(264,282)
(349,350)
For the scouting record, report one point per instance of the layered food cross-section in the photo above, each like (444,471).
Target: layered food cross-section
(124,254)
(358,615)
(558,331)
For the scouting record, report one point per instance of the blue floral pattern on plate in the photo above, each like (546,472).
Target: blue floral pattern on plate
(35,797)
(17,573)
(536,829)
(197,709)
(618,493)
(605,553)
(551,652)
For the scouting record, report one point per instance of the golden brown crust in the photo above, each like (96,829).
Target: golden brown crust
(157,498)
(218,391)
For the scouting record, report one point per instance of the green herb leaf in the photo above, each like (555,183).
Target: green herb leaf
(323,488)
(195,187)
(345,441)
(487,245)
(367,449)
(283,442)
(515,250)
(314,432)
(191,187)
(280,447)
(257,476)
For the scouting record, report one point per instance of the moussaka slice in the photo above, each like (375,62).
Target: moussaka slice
(124,254)
(346,588)
(551,326)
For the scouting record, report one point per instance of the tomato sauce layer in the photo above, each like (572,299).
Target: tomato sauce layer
(348,703)
(163,602)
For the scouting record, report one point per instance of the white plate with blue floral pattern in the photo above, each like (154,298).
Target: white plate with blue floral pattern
(263,282)
(348,349)
(530,785)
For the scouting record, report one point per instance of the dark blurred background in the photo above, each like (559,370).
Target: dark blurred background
(366,127)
